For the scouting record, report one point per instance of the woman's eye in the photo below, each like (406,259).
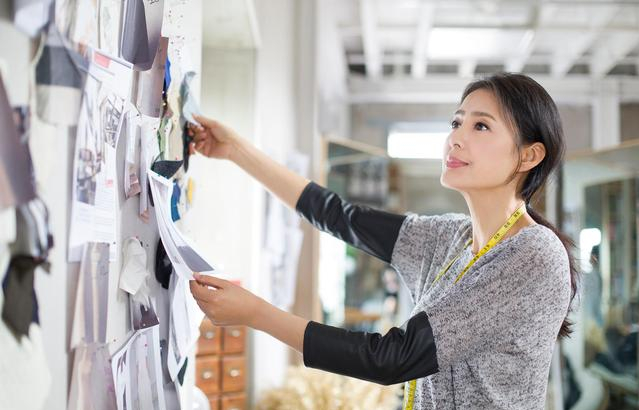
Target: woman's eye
(454,124)
(480,126)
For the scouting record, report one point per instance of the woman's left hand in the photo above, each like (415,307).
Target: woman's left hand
(223,302)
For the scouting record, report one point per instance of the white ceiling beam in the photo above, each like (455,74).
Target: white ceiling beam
(610,50)
(566,53)
(420,52)
(448,88)
(466,68)
(350,30)
(525,48)
(370,40)
(406,59)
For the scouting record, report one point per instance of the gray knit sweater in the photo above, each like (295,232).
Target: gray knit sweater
(495,330)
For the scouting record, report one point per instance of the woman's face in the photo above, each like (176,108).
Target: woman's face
(481,138)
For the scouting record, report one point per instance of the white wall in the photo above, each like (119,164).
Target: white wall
(268,96)
(276,131)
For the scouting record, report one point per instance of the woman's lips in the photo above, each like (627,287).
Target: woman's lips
(455,163)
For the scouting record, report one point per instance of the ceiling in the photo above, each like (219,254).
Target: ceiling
(464,38)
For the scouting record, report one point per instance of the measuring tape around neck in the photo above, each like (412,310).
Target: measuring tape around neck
(409,396)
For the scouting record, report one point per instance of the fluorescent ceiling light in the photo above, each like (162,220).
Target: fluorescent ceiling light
(411,144)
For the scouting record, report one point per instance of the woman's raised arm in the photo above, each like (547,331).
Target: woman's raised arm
(368,229)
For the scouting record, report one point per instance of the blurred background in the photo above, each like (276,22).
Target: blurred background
(358,96)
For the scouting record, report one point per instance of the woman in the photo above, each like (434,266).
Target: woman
(491,291)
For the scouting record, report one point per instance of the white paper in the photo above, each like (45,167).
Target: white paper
(134,270)
(109,15)
(93,209)
(137,372)
(85,24)
(91,303)
(184,325)
(92,380)
(151,83)
(181,252)
(132,161)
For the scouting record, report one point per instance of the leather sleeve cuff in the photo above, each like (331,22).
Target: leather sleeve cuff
(402,354)
(371,230)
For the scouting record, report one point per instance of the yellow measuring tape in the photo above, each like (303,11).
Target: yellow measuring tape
(409,396)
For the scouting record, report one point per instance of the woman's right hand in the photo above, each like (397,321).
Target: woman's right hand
(212,138)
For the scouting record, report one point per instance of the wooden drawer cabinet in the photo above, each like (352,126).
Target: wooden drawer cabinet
(233,402)
(210,341)
(233,377)
(221,366)
(207,374)
(214,402)
(233,339)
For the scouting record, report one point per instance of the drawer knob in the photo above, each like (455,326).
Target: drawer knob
(234,372)
(207,374)
(236,333)
(210,334)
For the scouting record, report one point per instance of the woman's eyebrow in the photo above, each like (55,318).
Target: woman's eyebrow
(476,114)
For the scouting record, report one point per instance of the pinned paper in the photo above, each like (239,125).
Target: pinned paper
(134,267)
(91,303)
(132,163)
(150,84)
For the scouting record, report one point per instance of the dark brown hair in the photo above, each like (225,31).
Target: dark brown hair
(533,117)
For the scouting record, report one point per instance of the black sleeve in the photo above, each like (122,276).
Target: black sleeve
(373,231)
(400,355)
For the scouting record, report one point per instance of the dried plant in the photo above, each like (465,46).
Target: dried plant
(309,389)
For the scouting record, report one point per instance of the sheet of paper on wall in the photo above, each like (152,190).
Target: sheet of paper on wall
(91,379)
(151,82)
(184,325)
(85,24)
(141,32)
(134,274)
(91,302)
(30,16)
(109,17)
(183,255)
(137,372)
(93,208)
(16,171)
(132,160)
(65,17)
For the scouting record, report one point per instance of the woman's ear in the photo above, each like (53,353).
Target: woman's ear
(532,155)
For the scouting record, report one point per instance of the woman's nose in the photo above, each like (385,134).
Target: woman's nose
(455,138)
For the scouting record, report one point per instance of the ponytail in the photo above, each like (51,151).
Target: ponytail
(569,244)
